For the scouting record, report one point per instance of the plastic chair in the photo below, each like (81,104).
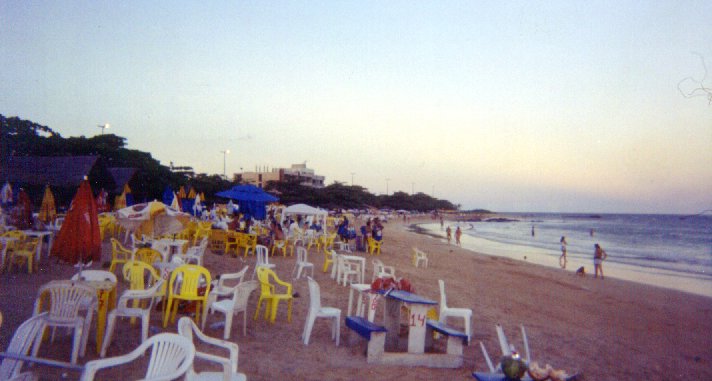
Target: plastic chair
(270,297)
(66,298)
(190,331)
(194,254)
(171,357)
(92,275)
(280,245)
(419,257)
(24,253)
(140,275)
(148,255)
(348,269)
(302,262)
(317,311)
(329,256)
(262,259)
(21,343)
(445,311)
(382,271)
(248,242)
(137,311)
(185,284)
(119,254)
(374,246)
(238,303)
(506,347)
(224,287)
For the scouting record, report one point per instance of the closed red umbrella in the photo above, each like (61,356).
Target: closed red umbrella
(79,239)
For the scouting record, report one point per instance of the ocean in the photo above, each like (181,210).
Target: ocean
(668,251)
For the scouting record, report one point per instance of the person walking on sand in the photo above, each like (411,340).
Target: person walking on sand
(562,258)
(448,231)
(458,234)
(599,255)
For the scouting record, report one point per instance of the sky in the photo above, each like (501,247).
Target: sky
(523,106)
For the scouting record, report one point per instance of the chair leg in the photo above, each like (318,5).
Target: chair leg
(77,342)
(144,326)
(166,311)
(85,334)
(244,322)
(108,334)
(308,325)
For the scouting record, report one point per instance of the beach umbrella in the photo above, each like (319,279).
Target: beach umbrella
(174,202)
(197,208)
(22,211)
(191,194)
(251,199)
(6,194)
(48,210)
(79,240)
(181,192)
(152,218)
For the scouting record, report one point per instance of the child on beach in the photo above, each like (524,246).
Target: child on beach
(562,258)
(598,256)
(458,234)
(448,231)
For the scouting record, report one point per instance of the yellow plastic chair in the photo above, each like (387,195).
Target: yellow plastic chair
(201,231)
(119,254)
(328,259)
(374,247)
(25,254)
(280,245)
(249,243)
(140,275)
(233,242)
(13,245)
(270,297)
(185,284)
(148,255)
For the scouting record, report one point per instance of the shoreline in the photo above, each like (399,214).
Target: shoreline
(655,277)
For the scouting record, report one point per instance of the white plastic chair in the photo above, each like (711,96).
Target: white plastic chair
(348,270)
(224,286)
(190,331)
(195,254)
(262,259)
(382,271)
(171,357)
(238,303)
(317,311)
(66,298)
(21,343)
(419,257)
(124,310)
(302,262)
(507,348)
(445,311)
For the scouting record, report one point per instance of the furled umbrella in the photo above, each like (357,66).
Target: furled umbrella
(174,202)
(197,207)
(79,240)
(22,211)
(48,209)
(191,194)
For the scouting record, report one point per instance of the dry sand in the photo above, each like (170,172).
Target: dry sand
(608,330)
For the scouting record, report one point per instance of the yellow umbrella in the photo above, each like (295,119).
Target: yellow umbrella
(120,201)
(127,189)
(48,210)
(181,192)
(191,194)
(202,196)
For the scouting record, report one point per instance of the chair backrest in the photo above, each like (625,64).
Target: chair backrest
(117,247)
(150,292)
(95,275)
(65,299)
(302,254)
(15,234)
(262,255)
(20,344)
(314,295)
(377,266)
(234,279)
(161,247)
(190,331)
(242,294)
(137,272)
(263,274)
(171,357)
(148,255)
(190,281)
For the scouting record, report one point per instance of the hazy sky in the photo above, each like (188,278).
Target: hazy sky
(511,106)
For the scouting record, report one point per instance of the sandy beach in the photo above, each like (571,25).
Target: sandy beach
(607,330)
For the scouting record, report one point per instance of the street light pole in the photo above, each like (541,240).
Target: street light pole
(104,127)
(225,152)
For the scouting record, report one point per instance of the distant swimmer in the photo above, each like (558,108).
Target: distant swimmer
(532,230)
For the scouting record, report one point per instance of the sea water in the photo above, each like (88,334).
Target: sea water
(664,250)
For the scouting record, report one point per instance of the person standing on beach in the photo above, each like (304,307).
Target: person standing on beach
(458,234)
(448,231)
(598,256)
(532,230)
(562,258)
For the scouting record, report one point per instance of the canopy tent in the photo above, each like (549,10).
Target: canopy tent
(251,199)
(48,210)
(319,215)
(79,239)
(152,218)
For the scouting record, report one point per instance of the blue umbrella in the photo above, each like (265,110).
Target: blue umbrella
(252,199)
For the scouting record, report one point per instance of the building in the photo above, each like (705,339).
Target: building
(297,172)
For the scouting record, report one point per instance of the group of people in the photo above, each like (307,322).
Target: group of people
(599,255)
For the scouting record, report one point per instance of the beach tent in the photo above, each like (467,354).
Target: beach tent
(251,199)
(152,218)
(319,215)
(79,239)
(48,210)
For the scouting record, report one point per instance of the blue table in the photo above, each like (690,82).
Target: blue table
(418,307)
(482,376)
